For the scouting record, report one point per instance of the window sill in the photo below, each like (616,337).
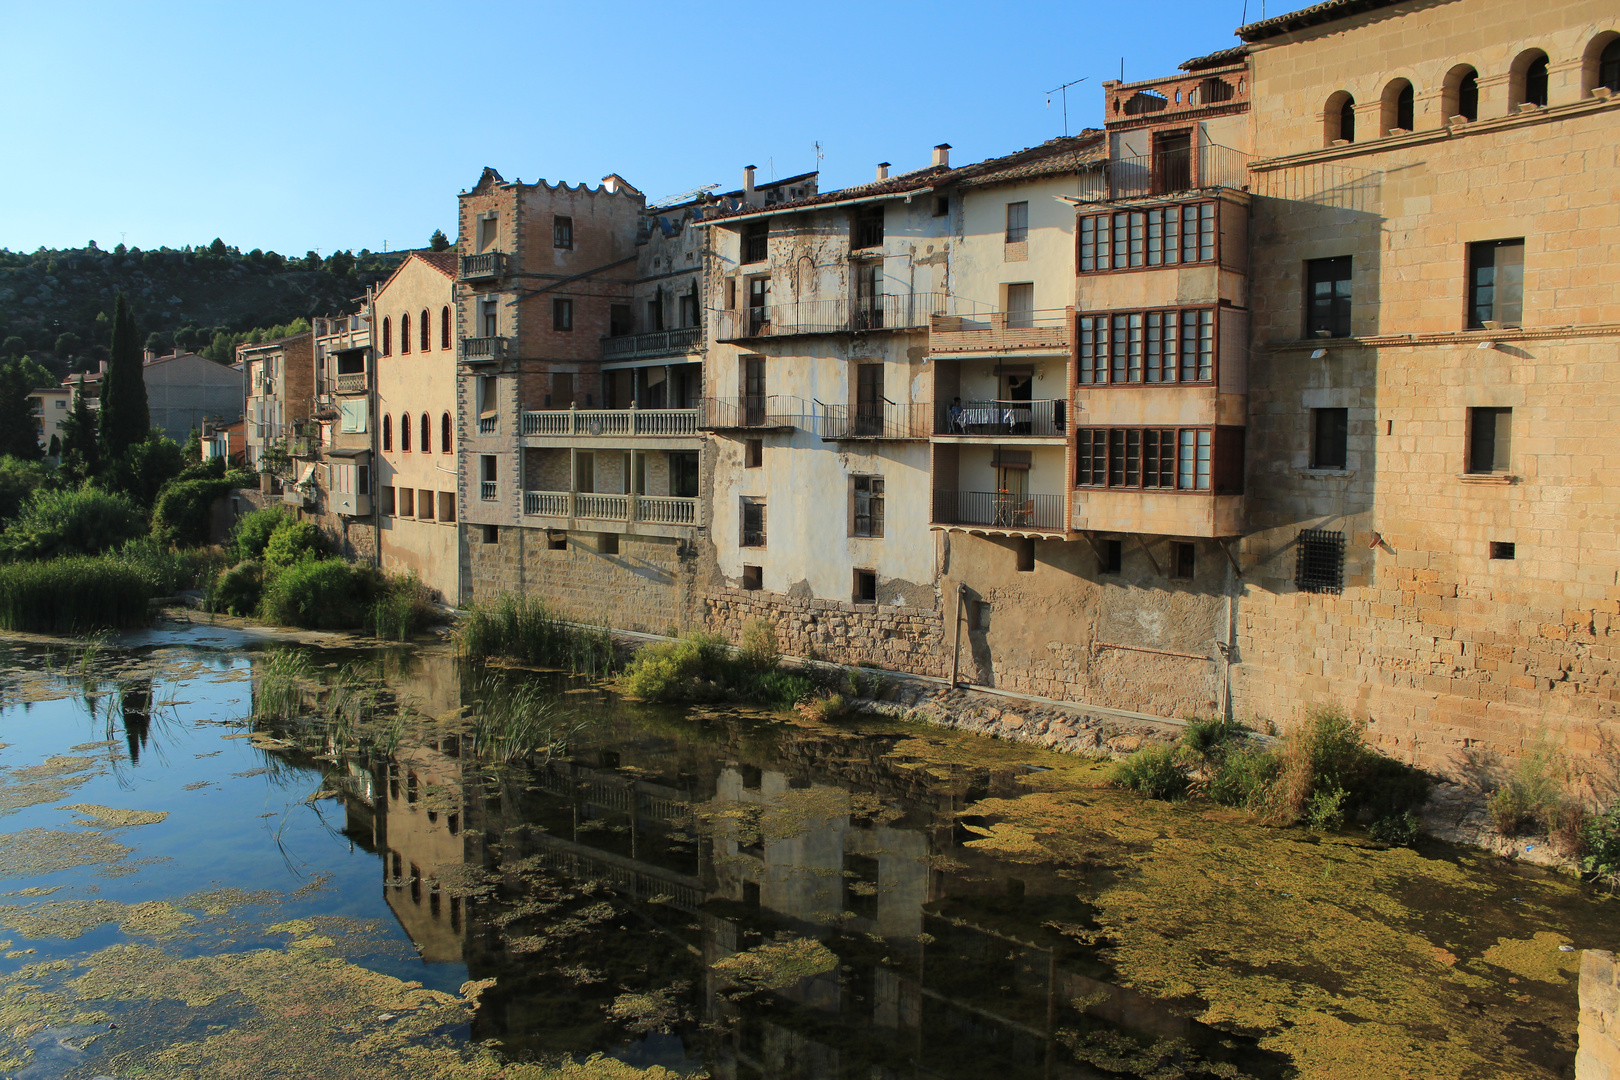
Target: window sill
(1487,478)
(1327,474)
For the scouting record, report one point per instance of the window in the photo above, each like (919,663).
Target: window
(868,506)
(1330,438)
(1319,561)
(426,331)
(607,543)
(488,231)
(562,314)
(1017,222)
(1529,79)
(1490,440)
(683,474)
(1164,237)
(1183,556)
(1184,459)
(387,338)
(424,504)
(407,502)
(427,434)
(620,320)
(753,578)
(404,433)
(1327,297)
(562,231)
(444,327)
(1461,93)
(1110,556)
(1396,108)
(556,540)
(1502,549)
(1495,284)
(869,227)
(444,434)
(388,432)
(942,205)
(492,534)
(756,241)
(655,312)
(1021,305)
(388,502)
(753,453)
(1608,66)
(688,308)
(1147,346)
(447,506)
(1340,118)
(1024,549)
(753,522)
(865,587)
(491,318)
(405,333)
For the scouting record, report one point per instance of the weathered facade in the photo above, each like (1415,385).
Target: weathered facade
(279,382)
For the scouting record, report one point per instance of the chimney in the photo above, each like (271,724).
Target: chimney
(942,155)
(748,180)
(883,170)
(103,368)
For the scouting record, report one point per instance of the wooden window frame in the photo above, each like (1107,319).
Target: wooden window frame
(1099,243)
(1137,458)
(405,334)
(562,232)
(1100,352)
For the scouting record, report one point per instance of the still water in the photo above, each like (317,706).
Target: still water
(204,873)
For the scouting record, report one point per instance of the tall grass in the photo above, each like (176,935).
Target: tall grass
(282,680)
(404,608)
(530,631)
(72,595)
(517,721)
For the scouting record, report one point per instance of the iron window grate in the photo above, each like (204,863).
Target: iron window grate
(1320,561)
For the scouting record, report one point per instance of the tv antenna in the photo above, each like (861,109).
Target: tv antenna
(1064,91)
(819,154)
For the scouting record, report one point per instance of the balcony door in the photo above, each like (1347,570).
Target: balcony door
(1172,161)
(868,296)
(759,303)
(869,399)
(753,391)
(1021,305)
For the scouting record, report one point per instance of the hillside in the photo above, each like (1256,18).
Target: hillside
(54,304)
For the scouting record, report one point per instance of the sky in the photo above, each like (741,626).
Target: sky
(293,125)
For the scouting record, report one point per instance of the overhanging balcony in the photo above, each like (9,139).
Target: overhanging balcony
(484,350)
(1045,331)
(1003,419)
(888,421)
(861,315)
(653,343)
(668,423)
(999,511)
(483,266)
(351,383)
(752,413)
(626,509)
(1167,172)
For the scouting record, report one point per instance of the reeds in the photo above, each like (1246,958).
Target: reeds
(72,595)
(530,631)
(519,721)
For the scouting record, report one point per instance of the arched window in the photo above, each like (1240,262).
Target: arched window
(1601,64)
(1396,106)
(1527,84)
(427,434)
(427,331)
(1339,119)
(388,432)
(405,333)
(388,338)
(444,327)
(1460,93)
(404,433)
(444,434)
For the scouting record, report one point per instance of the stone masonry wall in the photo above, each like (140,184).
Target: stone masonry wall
(1598,1055)
(902,638)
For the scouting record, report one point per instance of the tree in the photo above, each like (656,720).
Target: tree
(14,346)
(125,418)
(341,263)
(19,431)
(438,241)
(81,449)
(55,450)
(217,247)
(68,345)
(154,344)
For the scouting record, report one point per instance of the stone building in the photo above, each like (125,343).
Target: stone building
(278,381)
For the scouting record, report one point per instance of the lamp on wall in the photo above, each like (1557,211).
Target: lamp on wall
(1486,345)
(1317,354)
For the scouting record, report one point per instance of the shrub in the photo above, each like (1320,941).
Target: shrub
(1533,795)
(1244,777)
(1400,830)
(1327,752)
(319,594)
(167,571)
(238,589)
(184,512)
(830,707)
(72,595)
(1208,740)
(686,669)
(405,607)
(253,531)
(530,631)
(18,480)
(1325,810)
(290,543)
(759,649)
(77,521)
(779,690)
(1600,836)
(1153,771)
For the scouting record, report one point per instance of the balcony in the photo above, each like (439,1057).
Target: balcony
(1188,168)
(485,265)
(627,509)
(350,383)
(751,413)
(489,425)
(343,333)
(999,511)
(1045,331)
(484,350)
(615,423)
(862,315)
(653,343)
(1003,419)
(888,421)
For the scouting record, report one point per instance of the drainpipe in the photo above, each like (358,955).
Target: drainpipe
(956,647)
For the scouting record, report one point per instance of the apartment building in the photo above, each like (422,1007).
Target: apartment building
(278,379)
(49,406)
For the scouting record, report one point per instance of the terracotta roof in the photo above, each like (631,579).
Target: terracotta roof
(442,261)
(1220,58)
(1315,15)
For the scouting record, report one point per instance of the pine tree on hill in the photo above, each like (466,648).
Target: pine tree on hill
(125,418)
(438,241)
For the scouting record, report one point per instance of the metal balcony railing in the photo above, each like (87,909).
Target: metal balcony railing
(596,506)
(611,422)
(652,343)
(487,264)
(867,313)
(1166,173)
(750,411)
(1045,330)
(998,510)
(487,490)
(477,349)
(884,421)
(1003,419)
(350,383)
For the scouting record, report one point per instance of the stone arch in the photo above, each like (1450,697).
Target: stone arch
(1600,64)
(1527,79)
(1459,93)
(1339,118)
(1397,106)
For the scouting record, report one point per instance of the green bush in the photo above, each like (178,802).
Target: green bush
(760,651)
(405,607)
(77,521)
(18,480)
(779,690)
(166,571)
(253,531)
(1325,810)
(1533,795)
(238,589)
(687,669)
(1400,830)
(1208,739)
(1600,836)
(1155,771)
(320,594)
(291,542)
(184,512)
(72,595)
(1244,777)
(530,631)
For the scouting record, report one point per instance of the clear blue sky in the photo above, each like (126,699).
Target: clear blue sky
(296,125)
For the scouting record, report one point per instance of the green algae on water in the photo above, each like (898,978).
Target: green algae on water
(108,817)
(33,852)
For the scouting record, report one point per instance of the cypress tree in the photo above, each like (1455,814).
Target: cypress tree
(125,419)
(81,452)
